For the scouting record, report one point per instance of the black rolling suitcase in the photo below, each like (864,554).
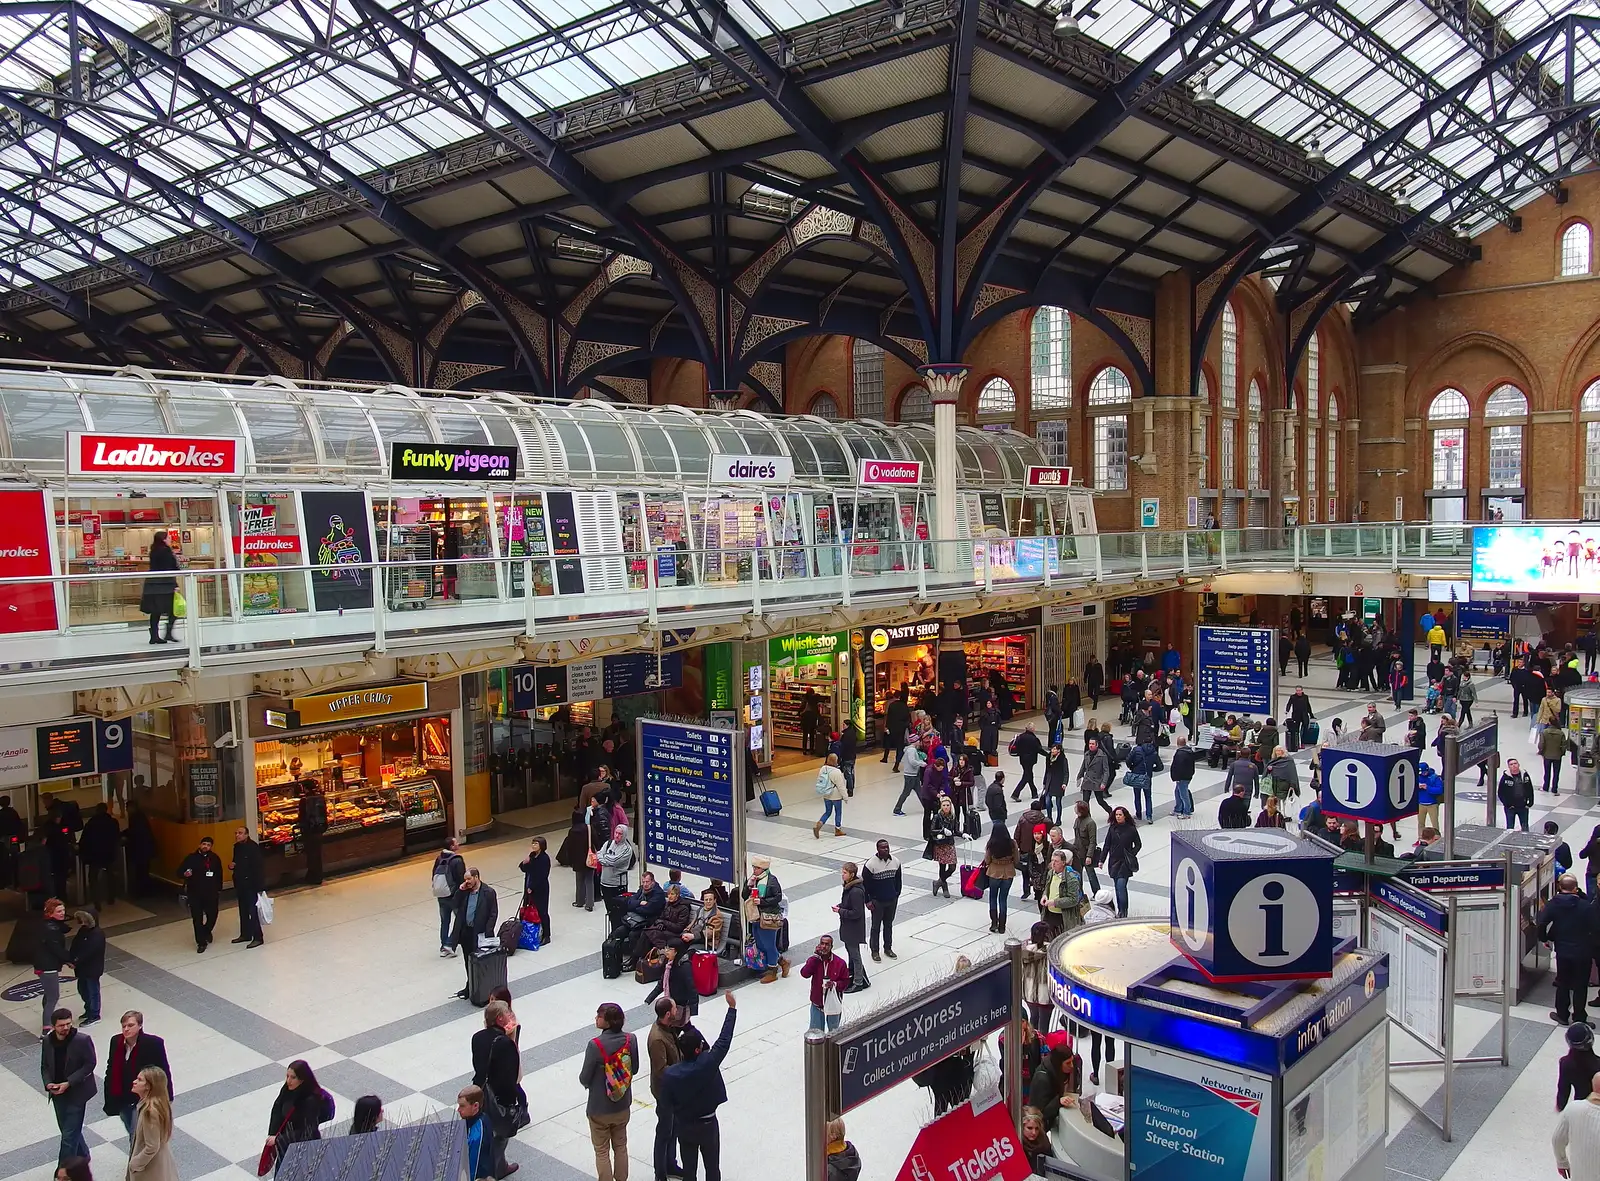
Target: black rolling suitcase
(485,973)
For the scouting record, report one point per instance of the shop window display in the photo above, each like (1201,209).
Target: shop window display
(113,534)
(266,534)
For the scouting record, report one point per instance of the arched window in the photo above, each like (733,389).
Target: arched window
(1230,359)
(1575,249)
(1109,431)
(824,406)
(916,405)
(1253,470)
(1449,442)
(1589,414)
(1505,440)
(997,399)
(867,363)
(1313,375)
(1205,427)
(1052,361)
(1333,449)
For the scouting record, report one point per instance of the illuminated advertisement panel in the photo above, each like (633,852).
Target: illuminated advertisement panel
(1539,560)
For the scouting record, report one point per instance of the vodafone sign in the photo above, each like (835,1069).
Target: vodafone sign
(153,455)
(1049,477)
(891,472)
(963,1146)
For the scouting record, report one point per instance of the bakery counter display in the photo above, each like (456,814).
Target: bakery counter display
(366,826)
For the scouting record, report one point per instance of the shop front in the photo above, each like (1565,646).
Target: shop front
(904,656)
(380,755)
(815,663)
(1001,648)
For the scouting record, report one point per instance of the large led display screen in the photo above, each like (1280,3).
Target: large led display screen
(1537,560)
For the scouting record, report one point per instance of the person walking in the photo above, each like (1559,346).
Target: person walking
(896,720)
(1568,922)
(300,1109)
(1552,749)
(1084,844)
(882,876)
(691,1092)
(88,955)
(1094,775)
(449,871)
(852,912)
(994,799)
(67,1068)
(128,1053)
(150,1148)
(1181,768)
(201,873)
(1027,748)
(98,845)
(1055,783)
(1515,793)
(763,918)
(1121,855)
(943,831)
(156,598)
(311,822)
(495,1067)
(848,749)
(1466,696)
(535,869)
(249,880)
(49,955)
(661,1045)
(1576,1139)
(1000,865)
(910,765)
(477,913)
(1578,1066)
(1140,776)
(1094,681)
(1061,901)
(832,787)
(830,980)
(936,785)
(610,1061)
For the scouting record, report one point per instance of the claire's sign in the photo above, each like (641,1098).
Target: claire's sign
(93,454)
(891,472)
(751,469)
(445,461)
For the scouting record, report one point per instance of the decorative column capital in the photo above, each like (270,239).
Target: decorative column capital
(723,399)
(943,381)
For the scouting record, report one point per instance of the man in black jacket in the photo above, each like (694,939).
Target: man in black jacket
(1235,809)
(312,822)
(66,1066)
(13,832)
(1181,769)
(1515,793)
(477,913)
(201,873)
(97,847)
(882,877)
(896,718)
(49,955)
(1028,749)
(126,1055)
(1567,921)
(692,1090)
(249,879)
(495,1066)
(1295,716)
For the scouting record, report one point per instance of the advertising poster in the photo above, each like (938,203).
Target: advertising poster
(1192,1121)
(259,545)
(341,541)
(25,553)
(1536,559)
(563,520)
(967,1143)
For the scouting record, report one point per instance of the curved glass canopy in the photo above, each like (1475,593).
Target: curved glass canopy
(314,432)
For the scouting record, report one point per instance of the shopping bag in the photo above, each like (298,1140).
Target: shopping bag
(1077,719)
(180,605)
(528,937)
(753,958)
(265,909)
(973,881)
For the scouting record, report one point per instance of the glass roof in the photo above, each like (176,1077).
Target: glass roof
(319,432)
(1334,77)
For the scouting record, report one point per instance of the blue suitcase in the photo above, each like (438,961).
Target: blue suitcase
(771,805)
(1310,733)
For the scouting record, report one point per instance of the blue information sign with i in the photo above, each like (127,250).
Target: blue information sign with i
(689,797)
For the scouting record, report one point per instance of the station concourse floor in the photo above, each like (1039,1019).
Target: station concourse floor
(350,980)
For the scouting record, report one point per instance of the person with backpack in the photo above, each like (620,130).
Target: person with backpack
(449,871)
(832,787)
(692,1090)
(609,1063)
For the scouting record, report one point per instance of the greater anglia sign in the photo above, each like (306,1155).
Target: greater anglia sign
(445,461)
(93,454)
(891,472)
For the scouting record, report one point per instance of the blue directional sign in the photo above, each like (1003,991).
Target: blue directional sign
(690,799)
(1413,904)
(1235,667)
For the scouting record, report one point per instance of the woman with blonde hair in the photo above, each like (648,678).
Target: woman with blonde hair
(150,1154)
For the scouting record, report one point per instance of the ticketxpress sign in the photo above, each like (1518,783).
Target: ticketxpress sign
(440,461)
(914,1036)
(153,455)
(750,469)
(891,472)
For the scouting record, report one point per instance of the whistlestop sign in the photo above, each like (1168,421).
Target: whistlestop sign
(964,1145)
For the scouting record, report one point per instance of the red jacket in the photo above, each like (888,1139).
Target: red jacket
(837,973)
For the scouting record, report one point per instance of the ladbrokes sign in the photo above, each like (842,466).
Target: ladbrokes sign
(153,455)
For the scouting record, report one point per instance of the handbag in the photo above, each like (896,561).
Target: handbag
(770,922)
(591,860)
(269,1154)
(753,958)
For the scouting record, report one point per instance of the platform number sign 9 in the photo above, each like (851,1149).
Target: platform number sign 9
(113,743)
(1255,904)
(1370,781)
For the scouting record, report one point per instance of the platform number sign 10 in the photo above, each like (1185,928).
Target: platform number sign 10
(1370,781)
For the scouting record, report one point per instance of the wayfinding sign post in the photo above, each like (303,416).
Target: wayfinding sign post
(691,798)
(1236,670)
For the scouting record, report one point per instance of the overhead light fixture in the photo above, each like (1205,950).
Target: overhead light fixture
(767,204)
(1066,23)
(559,129)
(579,249)
(629,105)
(1314,152)
(1202,90)
(704,85)
(897,17)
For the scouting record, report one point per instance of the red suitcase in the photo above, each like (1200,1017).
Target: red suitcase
(705,968)
(970,876)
